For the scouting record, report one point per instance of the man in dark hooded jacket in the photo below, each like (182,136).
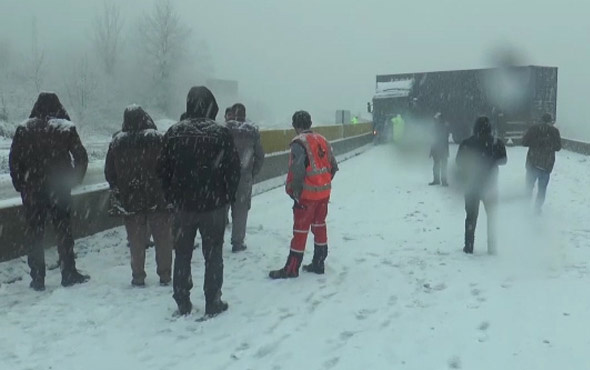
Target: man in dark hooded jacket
(439,152)
(200,171)
(131,171)
(247,141)
(478,159)
(543,140)
(44,173)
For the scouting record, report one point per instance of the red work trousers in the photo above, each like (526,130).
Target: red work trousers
(306,214)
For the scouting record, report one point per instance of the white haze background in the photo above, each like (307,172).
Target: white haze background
(314,55)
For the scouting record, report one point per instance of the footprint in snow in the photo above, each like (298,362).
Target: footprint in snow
(331,363)
(364,314)
(484,326)
(346,335)
(455,362)
(438,287)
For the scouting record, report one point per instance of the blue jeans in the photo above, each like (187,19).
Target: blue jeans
(533,175)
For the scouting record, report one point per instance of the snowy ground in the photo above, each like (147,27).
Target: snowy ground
(398,292)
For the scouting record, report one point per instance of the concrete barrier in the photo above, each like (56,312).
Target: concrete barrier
(90,205)
(576,146)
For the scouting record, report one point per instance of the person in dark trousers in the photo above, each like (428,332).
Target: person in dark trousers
(200,171)
(312,167)
(543,140)
(478,159)
(131,171)
(439,151)
(247,141)
(228,116)
(46,160)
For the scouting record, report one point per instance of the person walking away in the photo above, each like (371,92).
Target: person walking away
(439,151)
(200,171)
(131,171)
(478,159)
(46,160)
(247,141)
(312,167)
(543,140)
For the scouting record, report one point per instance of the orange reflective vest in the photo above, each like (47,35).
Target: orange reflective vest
(318,177)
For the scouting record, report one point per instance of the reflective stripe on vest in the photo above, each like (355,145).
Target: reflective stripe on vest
(318,176)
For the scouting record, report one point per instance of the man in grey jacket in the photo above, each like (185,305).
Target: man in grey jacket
(247,141)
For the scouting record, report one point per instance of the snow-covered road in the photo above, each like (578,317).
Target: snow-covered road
(398,292)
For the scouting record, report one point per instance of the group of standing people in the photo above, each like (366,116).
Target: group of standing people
(169,186)
(478,160)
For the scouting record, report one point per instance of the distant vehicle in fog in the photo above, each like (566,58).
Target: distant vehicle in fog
(514,98)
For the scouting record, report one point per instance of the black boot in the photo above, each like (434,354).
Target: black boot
(69,274)
(37,276)
(73,277)
(37,284)
(291,269)
(238,248)
(214,305)
(320,252)
(185,306)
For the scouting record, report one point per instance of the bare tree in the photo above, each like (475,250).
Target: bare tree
(3,109)
(5,55)
(107,36)
(163,38)
(36,62)
(81,85)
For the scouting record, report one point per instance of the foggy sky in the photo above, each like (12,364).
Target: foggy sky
(323,55)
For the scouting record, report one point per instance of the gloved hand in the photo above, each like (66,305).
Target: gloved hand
(296,203)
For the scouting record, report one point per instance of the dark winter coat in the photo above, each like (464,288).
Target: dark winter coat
(543,141)
(200,166)
(478,159)
(46,151)
(131,164)
(247,141)
(440,145)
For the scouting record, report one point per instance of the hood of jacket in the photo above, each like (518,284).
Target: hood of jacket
(48,106)
(136,119)
(200,103)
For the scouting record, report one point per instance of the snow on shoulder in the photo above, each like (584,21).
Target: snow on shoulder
(151,132)
(61,124)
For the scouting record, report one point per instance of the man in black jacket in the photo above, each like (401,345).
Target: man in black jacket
(543,140)
(478,159)
(43,173)
(131,171)
(200,171)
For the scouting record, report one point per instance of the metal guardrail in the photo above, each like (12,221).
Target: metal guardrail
(89,210)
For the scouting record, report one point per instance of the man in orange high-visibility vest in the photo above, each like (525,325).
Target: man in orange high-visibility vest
(312,167)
